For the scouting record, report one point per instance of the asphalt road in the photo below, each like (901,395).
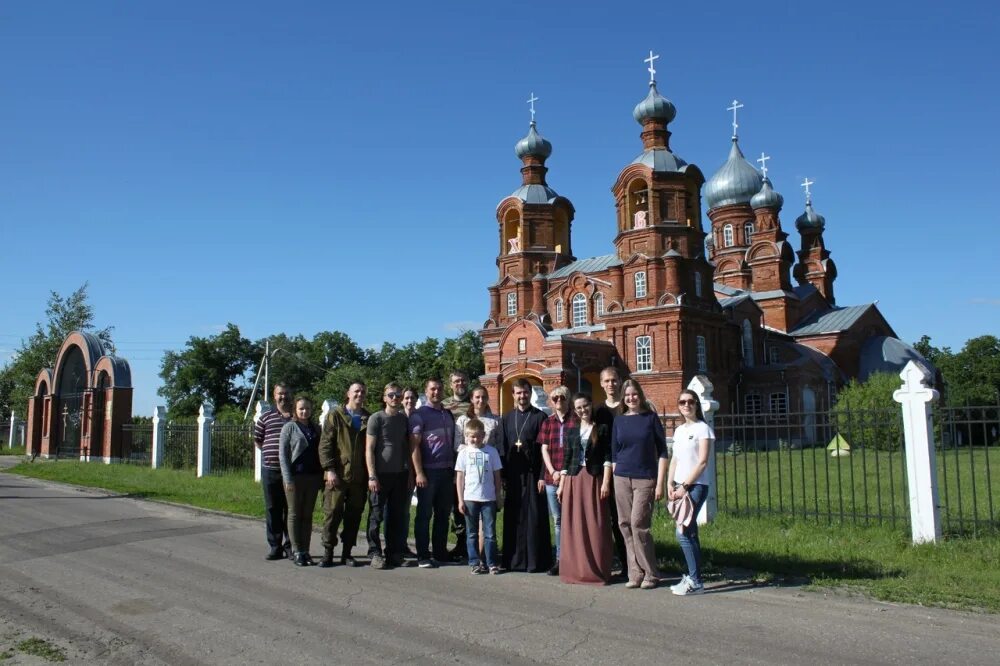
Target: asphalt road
(118,580)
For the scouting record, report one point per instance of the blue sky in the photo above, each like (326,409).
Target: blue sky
(310,166)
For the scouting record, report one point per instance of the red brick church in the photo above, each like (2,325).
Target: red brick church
(736,302)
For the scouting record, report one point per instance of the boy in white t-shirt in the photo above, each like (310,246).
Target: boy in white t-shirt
(477,478)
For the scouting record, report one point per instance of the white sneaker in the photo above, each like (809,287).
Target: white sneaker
(689,588)
(681,584)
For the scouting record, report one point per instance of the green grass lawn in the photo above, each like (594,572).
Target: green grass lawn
(15,451)
(875,560)
(868,487)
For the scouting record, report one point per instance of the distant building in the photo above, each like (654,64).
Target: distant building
(673,299)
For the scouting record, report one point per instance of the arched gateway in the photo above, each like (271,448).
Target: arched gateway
(79,406)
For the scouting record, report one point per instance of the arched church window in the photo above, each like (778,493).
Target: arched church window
(702,350)
(579,310)
(559,310)
(643,353)
(512,304)
(599,304)
(640,284)
(746,344)
(747,232)
(697,285)
(727,236)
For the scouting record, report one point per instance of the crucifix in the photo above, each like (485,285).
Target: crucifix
(806,183)
(736,105)
(652,71)
(763,163)
(531,101)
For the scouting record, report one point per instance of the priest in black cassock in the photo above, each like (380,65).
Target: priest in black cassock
(527,545)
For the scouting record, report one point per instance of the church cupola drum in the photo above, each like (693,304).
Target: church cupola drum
(815,266)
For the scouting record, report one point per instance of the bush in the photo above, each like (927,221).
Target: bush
(866,414)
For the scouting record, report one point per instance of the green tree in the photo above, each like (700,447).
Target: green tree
(972,375)
(866,414)
(64,314)
(217,368)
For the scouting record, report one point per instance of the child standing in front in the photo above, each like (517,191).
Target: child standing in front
(477,478)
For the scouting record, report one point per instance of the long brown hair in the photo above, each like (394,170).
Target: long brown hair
(633,384)
(699,415)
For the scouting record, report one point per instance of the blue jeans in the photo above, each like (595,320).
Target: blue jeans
(555,510)
(434,499)
(688,537)
(487,511)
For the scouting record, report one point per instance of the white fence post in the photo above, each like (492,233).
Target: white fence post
(916,397)
(258,458)
(703,388)
(206,417)
(328,406)
(13,430)
(159,437)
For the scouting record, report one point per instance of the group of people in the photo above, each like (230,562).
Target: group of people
(597,473)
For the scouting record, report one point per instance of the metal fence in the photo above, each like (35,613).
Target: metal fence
(838,466)
(968,464)
(180,449)
(137,444)
(232,448)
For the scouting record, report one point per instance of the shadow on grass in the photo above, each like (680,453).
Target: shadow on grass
(784,570)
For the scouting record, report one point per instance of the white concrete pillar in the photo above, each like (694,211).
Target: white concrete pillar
(916,398)
(13,438)
(258,459)
(206,417)
(328,406)
(703,388)
(159,437)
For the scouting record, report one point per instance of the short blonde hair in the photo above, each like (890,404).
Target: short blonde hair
(475,425)
(559,390)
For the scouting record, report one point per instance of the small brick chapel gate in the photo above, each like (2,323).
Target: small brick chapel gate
(79,406)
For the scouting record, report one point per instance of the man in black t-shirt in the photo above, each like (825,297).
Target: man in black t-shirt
(387,454)
(611,382)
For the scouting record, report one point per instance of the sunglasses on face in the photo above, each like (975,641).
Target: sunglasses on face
(686,402)
(393,394)
(558,398)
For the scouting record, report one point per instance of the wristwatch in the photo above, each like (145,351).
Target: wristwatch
(373,478)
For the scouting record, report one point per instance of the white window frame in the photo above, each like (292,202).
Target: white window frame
(559,310)
(599,304)
(701,348)
(640,284)
(512,304)
(644,353)
(578,311)
(727,236)
(753,403)
(748,230)
(777,404)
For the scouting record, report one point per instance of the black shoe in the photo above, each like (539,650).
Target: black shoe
(275,554)
(457,554)
(409,554)
(554,571)
(348,561)
(310,562)
(398,561)
(300,560)
(326,562)
(289,553)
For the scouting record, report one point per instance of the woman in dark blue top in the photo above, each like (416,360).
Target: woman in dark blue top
(639,462)
(298,453)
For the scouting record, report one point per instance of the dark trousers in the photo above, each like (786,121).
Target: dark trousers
(436,500)
(275,508)
(301,503)
(457,522)
(389,505)
(343,505)
(616,531)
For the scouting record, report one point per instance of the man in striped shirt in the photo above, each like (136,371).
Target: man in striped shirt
(266,432)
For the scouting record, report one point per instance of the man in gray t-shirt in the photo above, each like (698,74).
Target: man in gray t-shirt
(387,454)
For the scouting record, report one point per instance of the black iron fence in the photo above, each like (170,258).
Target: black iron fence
(180,450)
(838,466)
(968,463)
(137,444)
(232,448)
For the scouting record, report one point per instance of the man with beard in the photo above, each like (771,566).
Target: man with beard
(432,437)
(266,433)
(345,472)
(458,404)
(605,415)
(527,545)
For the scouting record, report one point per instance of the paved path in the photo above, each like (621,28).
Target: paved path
(116,580)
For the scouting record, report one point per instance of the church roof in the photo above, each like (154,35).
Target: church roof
(830,321)
(884,353)
(661,159)
(735,182)
(535,194)
(731,301)
(804,290)
(588,265)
